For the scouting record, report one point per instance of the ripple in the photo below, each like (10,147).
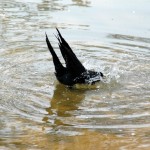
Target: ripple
(33,103)
(126,126)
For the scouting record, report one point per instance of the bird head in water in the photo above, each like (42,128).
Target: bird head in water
(74,72)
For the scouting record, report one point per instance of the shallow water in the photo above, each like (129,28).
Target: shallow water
(39,113)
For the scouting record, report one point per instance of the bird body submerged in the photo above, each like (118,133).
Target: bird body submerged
(74,72)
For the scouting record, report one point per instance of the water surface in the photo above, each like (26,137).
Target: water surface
(37,112)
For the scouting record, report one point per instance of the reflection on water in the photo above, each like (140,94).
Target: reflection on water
(64,100)
(39,113)
(82,2)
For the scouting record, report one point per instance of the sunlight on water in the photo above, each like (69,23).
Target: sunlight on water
(37,112)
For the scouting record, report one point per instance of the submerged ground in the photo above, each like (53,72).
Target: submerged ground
(36,112)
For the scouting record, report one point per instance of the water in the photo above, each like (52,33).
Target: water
(39,113)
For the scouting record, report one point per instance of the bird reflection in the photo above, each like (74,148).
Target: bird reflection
(64,101)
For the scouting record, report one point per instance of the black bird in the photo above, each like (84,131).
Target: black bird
(74,72)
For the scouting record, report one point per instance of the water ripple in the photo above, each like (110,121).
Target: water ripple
(33,103)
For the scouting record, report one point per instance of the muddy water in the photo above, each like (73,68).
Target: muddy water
(36,112)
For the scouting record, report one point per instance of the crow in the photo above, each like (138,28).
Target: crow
(74,72)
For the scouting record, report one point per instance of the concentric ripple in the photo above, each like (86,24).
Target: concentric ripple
(37,112)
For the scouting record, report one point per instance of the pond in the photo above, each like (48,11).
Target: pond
(37,112)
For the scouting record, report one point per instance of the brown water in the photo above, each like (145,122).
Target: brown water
(36,112)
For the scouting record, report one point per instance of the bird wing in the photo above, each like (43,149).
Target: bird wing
(73,65)
(59,68)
